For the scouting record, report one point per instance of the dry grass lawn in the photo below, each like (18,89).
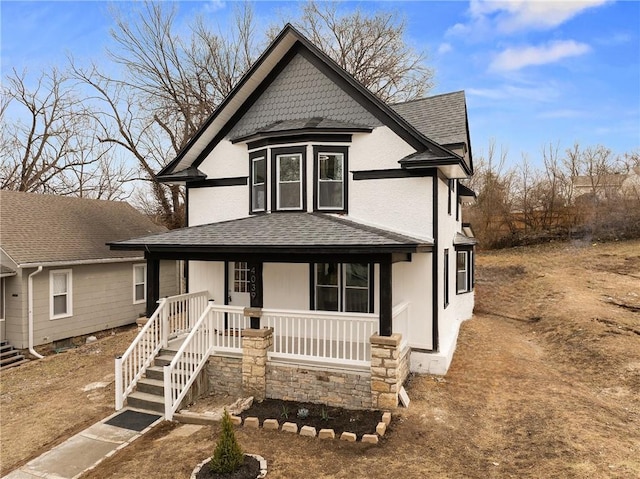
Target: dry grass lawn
(545,384)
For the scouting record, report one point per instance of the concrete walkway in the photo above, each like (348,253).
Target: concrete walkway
(79,453)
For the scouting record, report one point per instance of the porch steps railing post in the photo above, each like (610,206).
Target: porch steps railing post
(119,395)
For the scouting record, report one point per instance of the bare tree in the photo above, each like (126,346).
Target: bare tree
(48,146)
(371,47)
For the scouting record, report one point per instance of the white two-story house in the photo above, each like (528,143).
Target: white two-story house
(327,218)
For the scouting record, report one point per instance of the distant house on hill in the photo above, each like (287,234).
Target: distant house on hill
(58,279)
(608,186)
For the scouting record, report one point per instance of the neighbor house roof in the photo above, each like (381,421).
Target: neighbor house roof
(248,89)
(38,228)
(279,232)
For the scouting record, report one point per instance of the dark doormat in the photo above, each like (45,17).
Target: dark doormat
(133,420)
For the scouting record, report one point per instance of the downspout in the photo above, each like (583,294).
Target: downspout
(30,301)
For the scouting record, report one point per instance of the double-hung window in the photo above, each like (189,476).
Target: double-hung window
(139,283)
(60,287)
(464,271)
(258,181)
(330,166)
(343,287)
(288,172)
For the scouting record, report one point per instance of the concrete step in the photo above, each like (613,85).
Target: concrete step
(5,347)
(14,364)
(151,386)
(155,372)
(163,360)
(14,358)
(148,402)
(8,353)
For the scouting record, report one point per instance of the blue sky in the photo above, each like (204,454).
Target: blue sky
(534,72)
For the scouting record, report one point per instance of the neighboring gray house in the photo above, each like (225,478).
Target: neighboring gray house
(58,275)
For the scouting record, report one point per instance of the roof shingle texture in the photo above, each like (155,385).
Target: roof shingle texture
(441,118)
(307,230)
(302,91)
(44,228)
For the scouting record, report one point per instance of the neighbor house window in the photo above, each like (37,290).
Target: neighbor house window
(139,283)
(343,287)
(288,172)
(446,278)
(258,181)
(464,273)
(329,175)
(60,287)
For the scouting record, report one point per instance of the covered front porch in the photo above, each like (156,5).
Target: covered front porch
(266,340)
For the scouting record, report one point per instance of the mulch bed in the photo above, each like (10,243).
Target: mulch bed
(249,470)
(321,417)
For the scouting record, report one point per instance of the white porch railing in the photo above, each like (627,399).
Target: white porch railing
(400,321)
(330,337)
(174,315)
(218,329)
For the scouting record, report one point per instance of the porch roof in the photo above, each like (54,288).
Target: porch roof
(291,233)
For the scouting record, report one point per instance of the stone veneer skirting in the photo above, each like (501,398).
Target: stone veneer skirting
(252,373)
(322,385)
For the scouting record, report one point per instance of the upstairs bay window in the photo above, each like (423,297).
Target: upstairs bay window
(330,165)
(258,191)
(288,172)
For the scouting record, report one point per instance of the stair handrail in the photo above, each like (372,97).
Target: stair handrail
(176,388)
(153,336)
(140,354)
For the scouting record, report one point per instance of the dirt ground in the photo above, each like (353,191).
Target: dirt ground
(545,384)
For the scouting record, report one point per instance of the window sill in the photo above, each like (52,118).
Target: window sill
(140,301)
(60,316)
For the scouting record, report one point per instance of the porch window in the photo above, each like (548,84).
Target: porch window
(343,287)
(60,287)
(258,183)
(330,165)
(464,275)
(139,283)
(289,181)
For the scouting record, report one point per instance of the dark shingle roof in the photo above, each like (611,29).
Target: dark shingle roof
(303,232)
(44,228)
(441,118)
(306,124)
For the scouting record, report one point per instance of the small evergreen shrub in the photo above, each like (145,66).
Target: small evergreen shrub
(227,457)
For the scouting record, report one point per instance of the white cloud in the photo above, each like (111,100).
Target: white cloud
(214,5)
(444,48)
(517,58)
(489,16)
(563,113)
(544,93)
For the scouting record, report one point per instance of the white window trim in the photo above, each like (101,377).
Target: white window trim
(278,182)
(263,184)
(3,286)
(330,208)
(69,293)
(144,282)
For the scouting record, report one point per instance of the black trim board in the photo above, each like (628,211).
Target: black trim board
(306,138)
(296,135)
(391,173)
(215,182)
(435,304)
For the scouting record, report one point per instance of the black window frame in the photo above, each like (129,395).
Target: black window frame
(252,156)
(446,278)
(344,150)
(341,288)
(290,150)
(470,270)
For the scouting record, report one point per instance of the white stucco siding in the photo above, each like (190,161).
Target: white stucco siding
(286,286)
(412,283)
(398,204)
(208,276)
(226,160)
(379,150)
(211,205)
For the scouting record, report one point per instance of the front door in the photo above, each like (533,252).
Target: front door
(238,294)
